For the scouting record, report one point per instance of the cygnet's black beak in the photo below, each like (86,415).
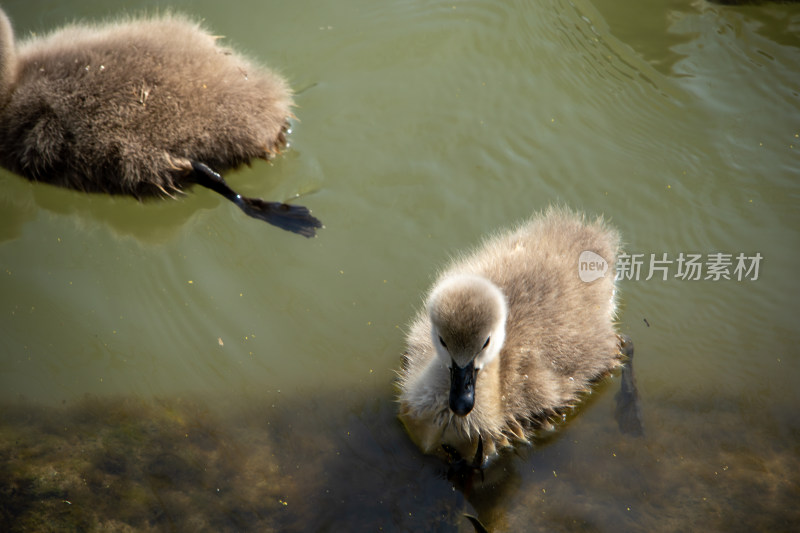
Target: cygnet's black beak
(462,388)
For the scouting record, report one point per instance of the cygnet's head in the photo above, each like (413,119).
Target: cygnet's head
(468,317)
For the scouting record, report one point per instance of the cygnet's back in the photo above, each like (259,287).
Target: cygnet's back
(140,107)
(559,335)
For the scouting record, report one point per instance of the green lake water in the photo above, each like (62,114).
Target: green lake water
(176,366)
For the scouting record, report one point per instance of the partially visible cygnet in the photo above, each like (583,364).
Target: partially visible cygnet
(141,107)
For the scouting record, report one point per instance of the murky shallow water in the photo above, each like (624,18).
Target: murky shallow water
(241,378)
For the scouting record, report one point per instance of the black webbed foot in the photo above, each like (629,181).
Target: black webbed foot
(628,411)
(460,472)
(294,218)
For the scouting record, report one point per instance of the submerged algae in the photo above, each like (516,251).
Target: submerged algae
(125,464)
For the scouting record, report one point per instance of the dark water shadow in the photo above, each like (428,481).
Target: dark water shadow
(333,463)
(151,221)
(340,461)
(694,469)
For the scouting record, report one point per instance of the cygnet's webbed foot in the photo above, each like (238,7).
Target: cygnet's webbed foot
(460,472)
(628,412)
(294,218)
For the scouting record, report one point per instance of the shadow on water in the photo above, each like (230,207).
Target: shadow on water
(176,465)
(154,221)
(341,462)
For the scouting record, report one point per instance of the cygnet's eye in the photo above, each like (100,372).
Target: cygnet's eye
(485,344)
(441,340)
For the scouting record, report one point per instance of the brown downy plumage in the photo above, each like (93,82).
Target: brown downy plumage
(141,107)
(510,337)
